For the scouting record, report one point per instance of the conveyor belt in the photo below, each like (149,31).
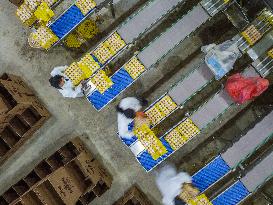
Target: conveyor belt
(216,105)
(210,111)
(145,18)
(210,174)
(191,84)
(256,177)
(62,25)
(249,142)
(233,195)
(259,174)
(168,40)
(69,20)
(158,48)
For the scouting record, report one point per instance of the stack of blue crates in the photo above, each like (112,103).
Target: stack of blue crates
(210,174)
(63,25)
(121,80)
(146,160)
(233,195)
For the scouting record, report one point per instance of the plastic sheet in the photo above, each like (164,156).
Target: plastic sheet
(242,89)
(221,58)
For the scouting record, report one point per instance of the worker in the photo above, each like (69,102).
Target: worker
(65,86)
(127,109)
(170,184)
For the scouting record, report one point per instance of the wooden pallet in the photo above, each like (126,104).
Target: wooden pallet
(22,114)
(70,176)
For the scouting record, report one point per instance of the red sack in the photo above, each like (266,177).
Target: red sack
(242,89)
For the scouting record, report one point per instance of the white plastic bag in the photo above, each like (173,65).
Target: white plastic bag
(221,58)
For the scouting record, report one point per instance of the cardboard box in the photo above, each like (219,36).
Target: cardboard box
(17,2)
(3,106)
(133,196)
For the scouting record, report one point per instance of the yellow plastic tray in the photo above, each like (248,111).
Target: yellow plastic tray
(101,81)
(188,129)
(153,145)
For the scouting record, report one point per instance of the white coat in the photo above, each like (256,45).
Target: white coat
(123,121)
(169,183)
(68,90)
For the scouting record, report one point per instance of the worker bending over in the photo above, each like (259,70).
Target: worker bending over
(127,110)
(65,86)
(173,185)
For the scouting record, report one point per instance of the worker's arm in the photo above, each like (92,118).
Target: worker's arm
(58,70)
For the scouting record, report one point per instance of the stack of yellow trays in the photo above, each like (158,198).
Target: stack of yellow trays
(88,29)
(200,200)
(251,35)
(270,53)
(103,53)
(43,12)
(33,4)
(134,67)
(175,139)
(161,109)
(188,129)
(45,37)
(88,65)
(26,14)
(73,41)
(74,73)
(114,42)
(153,145)
(85,5)
(102,81)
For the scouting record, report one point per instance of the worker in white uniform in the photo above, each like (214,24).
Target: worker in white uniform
(127,109)
(65,86)
(170,184)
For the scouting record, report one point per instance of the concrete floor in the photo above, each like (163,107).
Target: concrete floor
(72,117)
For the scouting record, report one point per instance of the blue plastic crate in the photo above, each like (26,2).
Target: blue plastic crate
(130,141)
(211,173)
(121,80)
(233,195)
(146,160)
(67,21)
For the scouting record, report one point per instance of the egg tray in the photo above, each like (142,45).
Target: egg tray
(25,14)
(85,5)
(43,12)
(251,35)
(102,53)
(175,139)
(88,29)
(115,43)
(270,53)
(166,105)
(188,129)
(151,143)
(200,200)
(45,37)
(266,16)
(74,73)
(154,115)
(87,62)
(33,4)
(50,2)
(134,68)
(101,81)
(72,41)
